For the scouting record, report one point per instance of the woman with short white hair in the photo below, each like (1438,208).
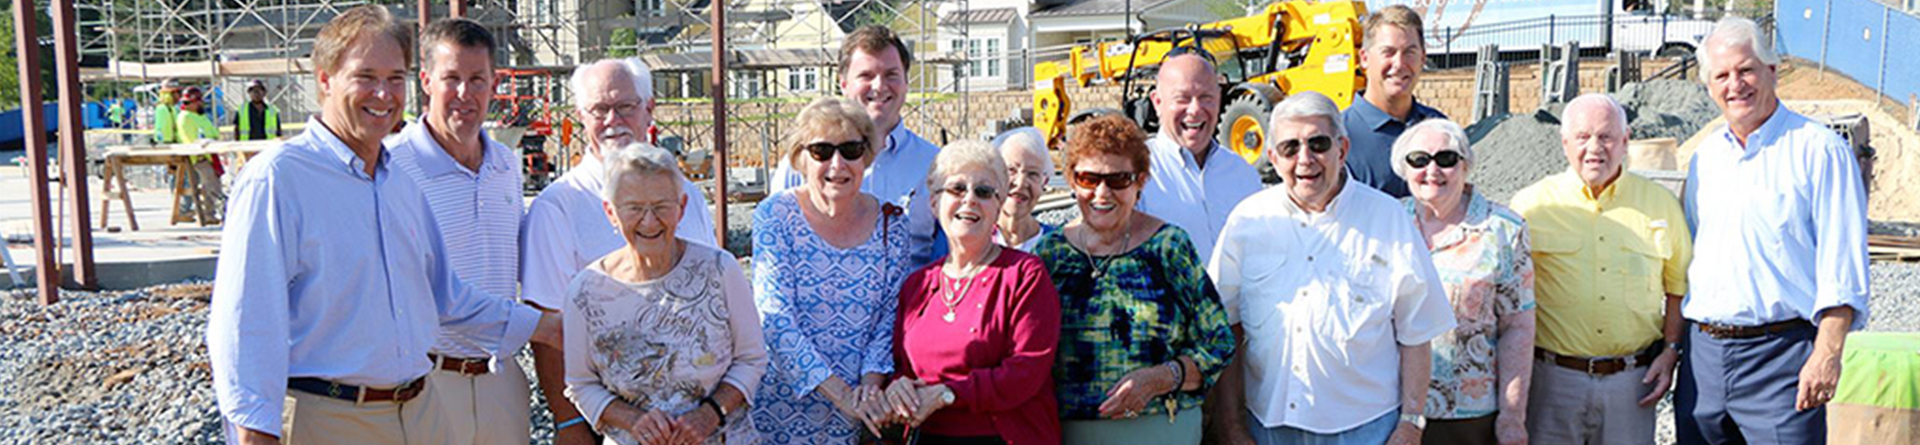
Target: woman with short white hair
(1029,166)
(1483,368)
(662,341)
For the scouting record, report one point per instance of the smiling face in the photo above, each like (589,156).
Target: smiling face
(459,87)
(1393,59)
(1027,177)
(836,178)
(647,208)
(878,82)
(1594,140)
(611,110)
(1102,207)
(1187,98)
(966,217)
(1311,178)
(1435,183)
(1740,83)
(361,98)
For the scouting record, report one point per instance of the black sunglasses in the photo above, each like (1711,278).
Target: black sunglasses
(851,150)
(1445,159)
(981,191)
(1319,144)
(1116,181)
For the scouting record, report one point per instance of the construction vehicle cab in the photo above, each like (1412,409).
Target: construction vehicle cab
(1289,46)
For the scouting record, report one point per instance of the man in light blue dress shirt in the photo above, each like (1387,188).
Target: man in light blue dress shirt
(333,280)
(473,187)
(873,73)
(566,227)
(1193,182)
(1780,275)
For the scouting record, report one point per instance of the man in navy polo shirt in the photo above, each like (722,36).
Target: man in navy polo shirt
(1392,58)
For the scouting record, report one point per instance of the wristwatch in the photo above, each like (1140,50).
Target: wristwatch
(1675,346)
(946,396)
(1419,422)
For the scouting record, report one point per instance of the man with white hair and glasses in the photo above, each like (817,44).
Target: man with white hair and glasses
(1779,209)
(566,227)
(1327,282)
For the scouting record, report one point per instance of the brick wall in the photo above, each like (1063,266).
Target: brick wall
(1451,91)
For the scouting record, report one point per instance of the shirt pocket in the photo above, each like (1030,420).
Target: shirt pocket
(1643,262)
(1357,310)
(1266,283)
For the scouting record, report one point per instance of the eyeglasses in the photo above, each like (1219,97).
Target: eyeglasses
(623,109)
(644,211)
(850,150)
(982,192)
(1032,175)
(1116,181)
(1319,144)
(1445,159)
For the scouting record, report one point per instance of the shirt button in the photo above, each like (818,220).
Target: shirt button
(1603,269)
(1603,239)
(973,329)
(1292,406)
(1309,257)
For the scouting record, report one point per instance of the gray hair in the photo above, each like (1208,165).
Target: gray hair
(1030,140)
(1456,141)
(1736,30)
(1306,105)
(965,155)
(635,68)
(639,158)
(1619,113)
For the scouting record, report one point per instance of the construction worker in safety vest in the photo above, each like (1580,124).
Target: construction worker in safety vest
(259,121)
(204,176)
(163,116)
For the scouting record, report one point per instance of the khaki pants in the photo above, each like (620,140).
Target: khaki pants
(314,419)
(487,409)
(1572,407)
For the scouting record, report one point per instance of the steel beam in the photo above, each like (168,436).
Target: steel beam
(73,141)
(719,92)
(26,40)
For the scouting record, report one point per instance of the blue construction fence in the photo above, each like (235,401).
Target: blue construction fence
(1864,39)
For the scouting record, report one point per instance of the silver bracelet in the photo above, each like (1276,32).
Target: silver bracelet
(1179,375)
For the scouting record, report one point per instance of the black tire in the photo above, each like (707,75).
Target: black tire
(1251,114)
(1675,51)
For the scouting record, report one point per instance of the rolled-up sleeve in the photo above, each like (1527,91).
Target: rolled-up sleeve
(1839,202)
(247,322)
(583,378)
(547,249)
(1421,310)
(749,343)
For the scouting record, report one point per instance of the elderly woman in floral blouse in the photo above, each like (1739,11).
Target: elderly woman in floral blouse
(663,344)
(1481,369)
(1143,334)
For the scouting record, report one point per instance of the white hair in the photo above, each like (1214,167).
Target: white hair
(1619,113)
(635,68)
(1030,140)
(1306,105)
(1736,30)
(967,154)
(1456,141)
(639,158)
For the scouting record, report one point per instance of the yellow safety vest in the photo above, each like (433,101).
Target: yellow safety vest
(243,130)
(163,123)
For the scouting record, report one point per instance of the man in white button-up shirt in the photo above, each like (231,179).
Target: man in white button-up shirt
(566,226)
(473,187)
(333,280)
(1195,182)
(1335,293)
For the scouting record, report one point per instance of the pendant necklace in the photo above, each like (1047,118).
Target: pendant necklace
(951,298)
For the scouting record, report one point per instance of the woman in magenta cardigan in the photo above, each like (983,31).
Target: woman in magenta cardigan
(975,339)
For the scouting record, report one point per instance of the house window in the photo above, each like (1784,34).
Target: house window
(983,56)
(803,79)
(649,7)
(993,57)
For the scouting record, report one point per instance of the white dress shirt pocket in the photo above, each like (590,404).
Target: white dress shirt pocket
(1360,311)
(1268,284)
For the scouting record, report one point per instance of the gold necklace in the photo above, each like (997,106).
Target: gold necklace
(952,299)
(1100,266)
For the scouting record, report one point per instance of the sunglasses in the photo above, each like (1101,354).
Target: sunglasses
(1319,144)
(851,150)
(1445,159)
(982,192)
(1116,181)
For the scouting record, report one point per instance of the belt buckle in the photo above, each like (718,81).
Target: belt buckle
(333,389)
(1591,363)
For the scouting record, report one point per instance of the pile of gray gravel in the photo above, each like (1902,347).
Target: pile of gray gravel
(1667,108)
(1511,152)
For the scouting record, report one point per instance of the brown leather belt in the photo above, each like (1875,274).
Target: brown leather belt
(464,366)
(1599,365)
(403,393)
(1724,332)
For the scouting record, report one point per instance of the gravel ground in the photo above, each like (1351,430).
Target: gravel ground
(1667,108)
(1511,152)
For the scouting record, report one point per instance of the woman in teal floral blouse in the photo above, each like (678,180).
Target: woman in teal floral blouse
(1143,334)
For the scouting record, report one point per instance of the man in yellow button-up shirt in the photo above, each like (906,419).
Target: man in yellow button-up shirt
(1610,252)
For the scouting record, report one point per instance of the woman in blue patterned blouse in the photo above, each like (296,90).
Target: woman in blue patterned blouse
(827,264)
(1143,334)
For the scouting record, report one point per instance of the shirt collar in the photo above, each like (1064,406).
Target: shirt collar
(1347,187)
(327,142)
(1761,137)
(1373,118)
(1478,210)
(897,137)
(1165,144)
(434,160)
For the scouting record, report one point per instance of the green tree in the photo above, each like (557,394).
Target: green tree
(10,60)
(623,43)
